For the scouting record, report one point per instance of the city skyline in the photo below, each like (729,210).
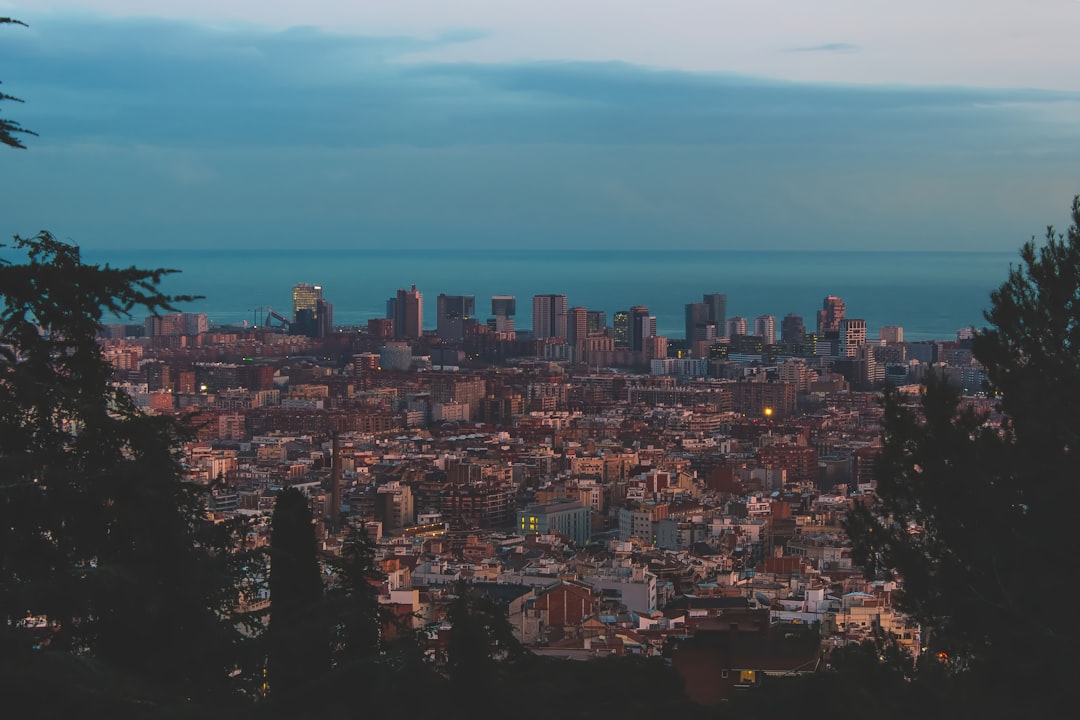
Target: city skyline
(693,126)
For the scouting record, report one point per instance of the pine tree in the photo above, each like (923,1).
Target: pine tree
(298,637)
(99,533)
(975,516)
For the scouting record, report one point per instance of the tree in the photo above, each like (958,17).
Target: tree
(480,635)
(101,540)
(9,128)
(976,516)
(299,642)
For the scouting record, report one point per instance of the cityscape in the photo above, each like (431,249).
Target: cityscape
(582,360)
(702,476)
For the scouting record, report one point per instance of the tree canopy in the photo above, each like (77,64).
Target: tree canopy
(102,542)
(10,129)
(973,511)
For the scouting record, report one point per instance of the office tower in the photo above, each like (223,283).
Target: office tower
(324,318)
(312,314)
(765,327)
(549,316)
(852,336)
(304,297)
(717,303)
(452,315)
(792,330)
(697,316)
(597,322)
(642,325)
(621,322)
(736,326)
(175,324)
(409,314)
(503,308)
(577,329)
(830,315)
(891,334)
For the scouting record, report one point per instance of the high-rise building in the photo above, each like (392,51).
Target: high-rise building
(597,322)
(792,330)
(409,314)
(550,316)
(312,314)
(830,315)
(305,296)
(453,313)
(621,322)
(696,317)
(717,303)
(577,329)
(642,325)
(891,334)
(736,326)
(852,336)
(503,308)
(765,327)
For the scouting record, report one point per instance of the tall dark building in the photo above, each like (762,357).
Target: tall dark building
(830,315)
(312,314)
(453,312)
(596,321)
(642,325)
(409,314)
(717,303)
(550,316)
(697,318)
(503,308)
(792,330)
(621,321)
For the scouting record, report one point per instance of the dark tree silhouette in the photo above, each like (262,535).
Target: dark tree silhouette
(299,639)
(101,540)
(9,129)
(977,517)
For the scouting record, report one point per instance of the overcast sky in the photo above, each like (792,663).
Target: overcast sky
(835,124)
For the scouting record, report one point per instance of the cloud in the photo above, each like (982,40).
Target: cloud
(836,47)
(213,134)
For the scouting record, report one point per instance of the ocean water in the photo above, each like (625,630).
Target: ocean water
(930,295)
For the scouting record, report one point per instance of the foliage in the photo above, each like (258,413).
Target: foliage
(976,517)
(480,636)
(9,129)
(98,531)
(299,642)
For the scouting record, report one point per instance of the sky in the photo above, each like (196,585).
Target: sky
(622,124)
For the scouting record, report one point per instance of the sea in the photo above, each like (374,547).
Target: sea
(931,295)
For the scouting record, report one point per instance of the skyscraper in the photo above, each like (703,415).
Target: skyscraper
(503,308)
(408,314)
(577,329)
(621,322)
(697,316)
(452,315)
(852,336)
(830,315)
(891,334)
(717,303)
(549,316)
(304,297)
(765,327)
(792,330)
(642,325)
(312,315)
(736,326)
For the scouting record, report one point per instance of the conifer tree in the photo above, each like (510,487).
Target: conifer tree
(101,539)
(976,516)
(299,642)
